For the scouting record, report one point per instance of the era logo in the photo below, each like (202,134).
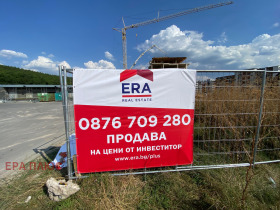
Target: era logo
(135,88)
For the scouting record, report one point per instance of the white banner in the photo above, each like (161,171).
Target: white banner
(170,88)
(128,119)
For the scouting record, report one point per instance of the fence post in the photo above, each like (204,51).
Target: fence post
(64,90)
(69,167)
(260,117)
(62,93)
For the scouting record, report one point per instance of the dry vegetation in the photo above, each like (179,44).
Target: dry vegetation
(227,118)
(206,189)
(229,128)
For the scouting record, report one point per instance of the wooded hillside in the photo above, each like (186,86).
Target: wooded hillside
(13,75)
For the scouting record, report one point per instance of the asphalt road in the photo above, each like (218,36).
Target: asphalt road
(26,128)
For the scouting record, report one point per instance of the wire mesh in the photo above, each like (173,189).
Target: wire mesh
(268,147)
(227,108)
(226,113)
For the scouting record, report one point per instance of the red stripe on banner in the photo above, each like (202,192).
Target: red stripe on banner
(110,138)
(146,73)
(127,96)
(126,74)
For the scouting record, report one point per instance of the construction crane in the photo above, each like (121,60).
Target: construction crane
(145,52)
(156,20)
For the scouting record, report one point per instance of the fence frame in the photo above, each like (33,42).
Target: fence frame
(63,71)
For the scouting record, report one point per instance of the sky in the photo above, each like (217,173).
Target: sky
(39,35)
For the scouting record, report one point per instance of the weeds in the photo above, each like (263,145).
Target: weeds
(225,128)
(229,116)
(206,189)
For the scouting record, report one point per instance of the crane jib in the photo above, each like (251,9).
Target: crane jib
(198,9)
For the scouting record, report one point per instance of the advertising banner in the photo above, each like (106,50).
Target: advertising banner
(130,119)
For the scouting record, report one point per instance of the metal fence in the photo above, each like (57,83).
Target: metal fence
(237,120)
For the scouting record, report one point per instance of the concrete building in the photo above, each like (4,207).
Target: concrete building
(168,62)
(247,77)
(240,79)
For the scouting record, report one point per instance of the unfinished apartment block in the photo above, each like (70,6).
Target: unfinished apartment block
(168,62)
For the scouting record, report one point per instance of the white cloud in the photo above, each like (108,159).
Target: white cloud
(204,78)
(77,67)
(50,55)
(11,53)
(275,25)
(46,65)
(109,56)
(64,63)
(263,51)
(41,62)
(223,38)
(102,64)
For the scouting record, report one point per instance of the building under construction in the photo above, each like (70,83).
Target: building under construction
(168,62)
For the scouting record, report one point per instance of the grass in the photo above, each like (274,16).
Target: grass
(204,189)
(226,119)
